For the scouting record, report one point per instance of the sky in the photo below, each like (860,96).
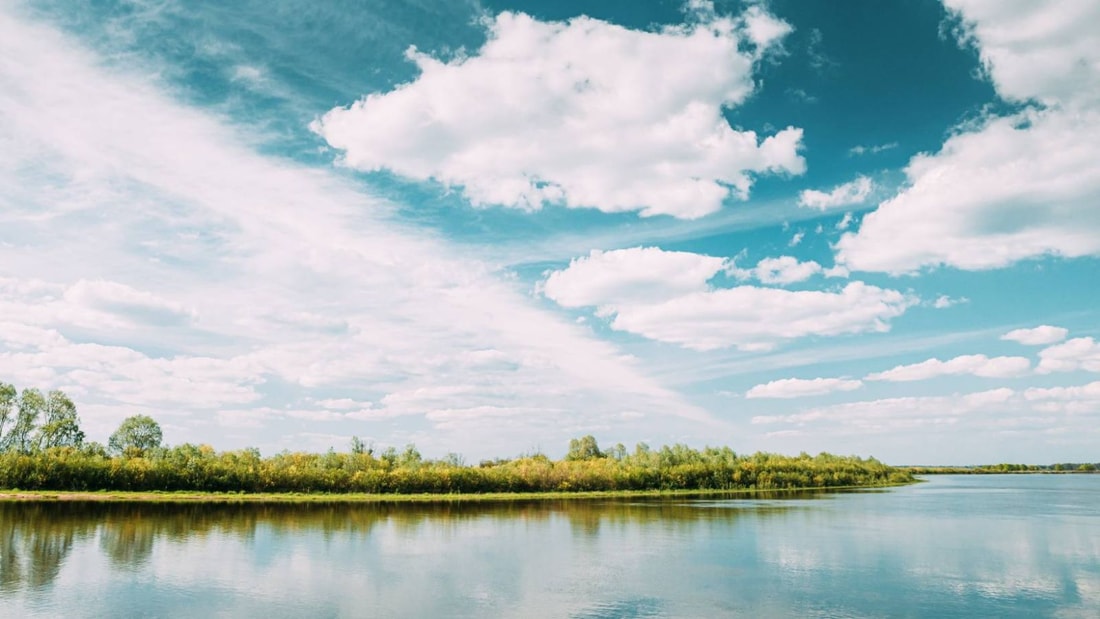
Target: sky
(489,227)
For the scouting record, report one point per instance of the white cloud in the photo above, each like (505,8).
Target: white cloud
(973,365)
(798,387)
(796,239)
(852,192)
(1075,399)
(785,270)
(944,302)
(631,276)
(763,29)
(873,149)
(582,113)
(986,200)
(1006,188)
(1040,410)
(630,286)
(154,263)
(1047,49)
(116,298)
(1081,353)
(1038,336)
(895,414)
(781,271)
(1090,391)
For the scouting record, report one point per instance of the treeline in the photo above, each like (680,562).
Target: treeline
(202,469)
(135,460)
(987,469)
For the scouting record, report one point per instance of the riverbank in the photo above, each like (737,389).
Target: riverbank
(295,497)
(987,470)
(199,470)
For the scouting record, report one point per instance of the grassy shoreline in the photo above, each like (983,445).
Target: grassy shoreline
(114,496)
(962,470)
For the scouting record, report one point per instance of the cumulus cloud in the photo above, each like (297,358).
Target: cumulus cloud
(1038,336)
(582,113)
(639,275)
(1081,353)
(986,200)
(1005,188)
(798,387)
(973,365)
(689,312)
(1074,399)
(785,270)
(1047,50)
(852,192)
(944,302)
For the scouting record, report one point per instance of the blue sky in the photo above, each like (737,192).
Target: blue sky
(487,228)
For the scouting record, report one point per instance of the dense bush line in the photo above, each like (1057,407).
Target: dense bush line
(42,448)
(200,468)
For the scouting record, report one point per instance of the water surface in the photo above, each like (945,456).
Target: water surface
(956,546)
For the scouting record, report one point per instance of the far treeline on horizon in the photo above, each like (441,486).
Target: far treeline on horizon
(43,448)
(283,233)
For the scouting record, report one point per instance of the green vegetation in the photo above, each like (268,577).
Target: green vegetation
(136,436)
(45,450)
(994,469)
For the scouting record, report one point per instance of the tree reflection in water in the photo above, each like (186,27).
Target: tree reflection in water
(36,537)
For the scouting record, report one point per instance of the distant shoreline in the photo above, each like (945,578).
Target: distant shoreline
(979,470)
(111,496)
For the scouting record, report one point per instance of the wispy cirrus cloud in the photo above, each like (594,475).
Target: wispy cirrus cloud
(254,271)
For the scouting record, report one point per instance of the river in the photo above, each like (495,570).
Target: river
(953,546)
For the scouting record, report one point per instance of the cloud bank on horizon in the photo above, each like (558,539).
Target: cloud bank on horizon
(264,236)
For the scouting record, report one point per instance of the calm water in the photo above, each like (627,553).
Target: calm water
(992,546)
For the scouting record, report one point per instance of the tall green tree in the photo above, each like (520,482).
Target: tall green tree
(359,447)
(60,424)
(139,434)
(21,436)
(9,398)
(584,448)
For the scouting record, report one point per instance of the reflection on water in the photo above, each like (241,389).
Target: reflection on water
(35,537)
(999,546)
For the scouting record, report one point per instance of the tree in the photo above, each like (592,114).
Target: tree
(410,457)
(31,407)
(139,434)
(61,425)
(358,447)
(583,448)
(9,397)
